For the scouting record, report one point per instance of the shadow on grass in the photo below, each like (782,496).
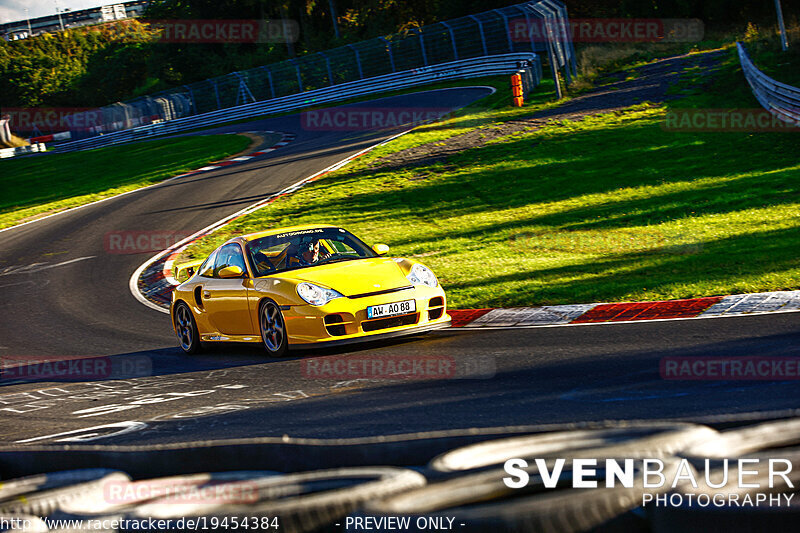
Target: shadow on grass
(521,173)
(725,261)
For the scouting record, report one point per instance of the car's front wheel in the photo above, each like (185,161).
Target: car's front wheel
(273,329)
(186,329)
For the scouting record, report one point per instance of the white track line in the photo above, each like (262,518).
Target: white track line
(90,204)
(37,267)
(105,199)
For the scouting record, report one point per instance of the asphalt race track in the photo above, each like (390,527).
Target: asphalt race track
(74,302)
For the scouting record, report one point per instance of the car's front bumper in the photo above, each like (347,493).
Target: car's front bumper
(344,320)
(371,337)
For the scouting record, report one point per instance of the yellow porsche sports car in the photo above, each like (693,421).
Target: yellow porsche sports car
(303,287)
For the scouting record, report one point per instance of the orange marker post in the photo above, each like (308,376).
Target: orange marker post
(516,89)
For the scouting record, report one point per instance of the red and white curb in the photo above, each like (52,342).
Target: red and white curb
(286,138)
(603,313)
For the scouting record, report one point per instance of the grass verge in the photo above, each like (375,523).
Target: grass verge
(611,208)
(35,186)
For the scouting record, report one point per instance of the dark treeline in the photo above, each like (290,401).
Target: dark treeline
(93,67)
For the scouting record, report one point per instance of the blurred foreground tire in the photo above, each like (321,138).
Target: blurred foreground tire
(763,442)
(482,502)
(641,439)
(43,494)
(304,501)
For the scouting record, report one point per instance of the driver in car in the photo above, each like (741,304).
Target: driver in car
(309,253)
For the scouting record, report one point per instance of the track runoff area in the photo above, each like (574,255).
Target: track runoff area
(557,428)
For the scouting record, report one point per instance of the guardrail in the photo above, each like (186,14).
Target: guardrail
(21,150)
(466,68)
(778,98)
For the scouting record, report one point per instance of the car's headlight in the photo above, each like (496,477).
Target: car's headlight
(421,275)
(316,295)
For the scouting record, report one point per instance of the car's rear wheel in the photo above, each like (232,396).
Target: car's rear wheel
(273,329)
(186,329)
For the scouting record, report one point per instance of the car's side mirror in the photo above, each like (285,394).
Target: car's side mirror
(231,271)
(381,249)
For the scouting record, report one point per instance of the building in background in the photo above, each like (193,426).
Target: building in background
(22,29)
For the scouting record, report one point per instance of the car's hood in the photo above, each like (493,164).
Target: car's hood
(358,276)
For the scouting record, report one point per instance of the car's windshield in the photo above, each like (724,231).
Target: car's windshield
(303,249)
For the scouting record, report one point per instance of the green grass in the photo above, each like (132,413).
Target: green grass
(35,186)
(611,208)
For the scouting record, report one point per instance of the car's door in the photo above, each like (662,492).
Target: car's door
(226,299)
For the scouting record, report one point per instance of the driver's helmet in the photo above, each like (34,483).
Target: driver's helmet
(306,245)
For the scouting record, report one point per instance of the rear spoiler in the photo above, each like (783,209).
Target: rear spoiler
(184,271)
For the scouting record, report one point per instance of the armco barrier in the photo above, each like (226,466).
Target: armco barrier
(21,150)
(466,68)
(780,99)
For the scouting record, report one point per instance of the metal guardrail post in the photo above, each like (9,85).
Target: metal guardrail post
(566,62)
(541,8)
(483,37)
(269,78)
(565,30)
(528,22)
(244,90)
(781,25)
(422,47)
(554,67)
(506,29)
(191,97)
(564,38)
(358,60)
(299,78)
(328,64)
(452,39)
(216,93)
(389,51)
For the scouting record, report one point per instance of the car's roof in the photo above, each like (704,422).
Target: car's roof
(276,231)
